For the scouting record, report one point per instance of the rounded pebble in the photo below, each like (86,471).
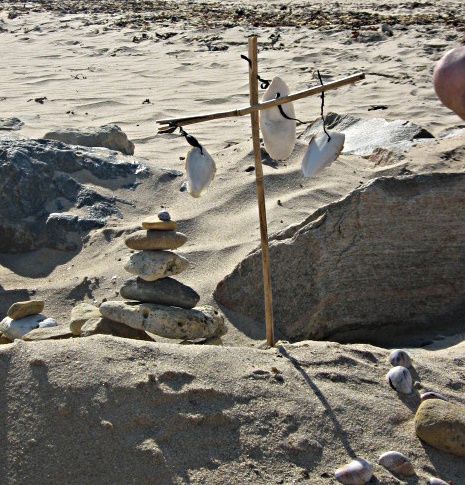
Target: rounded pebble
(400,379)
(397,463)
(164,216)
(357,472)
(400,357)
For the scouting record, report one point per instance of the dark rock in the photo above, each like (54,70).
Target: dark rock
(38,186)
(389,256)
(106,136)
(166,291)
(363,136)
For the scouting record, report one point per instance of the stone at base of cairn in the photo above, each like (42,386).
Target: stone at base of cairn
(167,321)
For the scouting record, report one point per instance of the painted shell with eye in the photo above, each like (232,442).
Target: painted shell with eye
(400,379)
(279,133)
(357,472)
(200,170)
(322,152)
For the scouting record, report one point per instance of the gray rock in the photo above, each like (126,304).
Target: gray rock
(104,326)
(166,291)
(166,321)
(48,333)
(106,136)
(164,216)
(154,265)
(10,124)
(13,329)
(80,314)
(40,185)
(363,136)
(389,257)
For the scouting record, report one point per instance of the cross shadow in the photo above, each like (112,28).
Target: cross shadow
(316,390)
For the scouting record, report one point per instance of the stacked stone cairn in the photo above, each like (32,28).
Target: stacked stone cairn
(159,304)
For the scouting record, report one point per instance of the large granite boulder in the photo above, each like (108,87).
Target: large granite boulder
(106,136)
(39,185)
(365,135)
(388,257)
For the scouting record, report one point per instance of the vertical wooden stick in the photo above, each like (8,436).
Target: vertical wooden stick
(254,116)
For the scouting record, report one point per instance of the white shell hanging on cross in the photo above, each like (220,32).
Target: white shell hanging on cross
(321,153)
(200,169)
(278,132)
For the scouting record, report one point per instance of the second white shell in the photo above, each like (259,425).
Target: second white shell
(357,472)
(400,379)
(278,132)
(321,153)
(200,169)
(397,463)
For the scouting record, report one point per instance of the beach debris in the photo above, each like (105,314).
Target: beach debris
(155,240)
(22,309)
(279,132)
(432,395)
(154,265)
(386,29)
(357,472)
(400,379)
(441,424)
(400,357)
(200,169)
(13,329)
(397,463)
(322,152)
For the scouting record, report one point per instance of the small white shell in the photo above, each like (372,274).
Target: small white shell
(436,481)
(321,153)
(400,357)
(432,395)
(278,132)
(200,169)
(400,379)
(397,463)
(357,472)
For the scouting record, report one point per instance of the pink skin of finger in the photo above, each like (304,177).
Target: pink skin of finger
(449,80)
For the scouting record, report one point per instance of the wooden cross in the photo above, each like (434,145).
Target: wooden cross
(253,109)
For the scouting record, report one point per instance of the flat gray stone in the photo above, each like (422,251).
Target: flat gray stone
(166,321)
(154,265)
(80,314)
(106,136)
(48,333)
(166,291)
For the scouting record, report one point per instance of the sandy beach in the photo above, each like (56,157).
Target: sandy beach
(80,64)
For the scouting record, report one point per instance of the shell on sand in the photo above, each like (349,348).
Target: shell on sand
(400,379)
(397,463)
(357,472)
(432,395)
(400,357)
(321,153)
(278,132)
(200,169)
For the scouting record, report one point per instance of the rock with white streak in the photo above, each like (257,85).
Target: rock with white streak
(166,321)
(13,329)
(154,265)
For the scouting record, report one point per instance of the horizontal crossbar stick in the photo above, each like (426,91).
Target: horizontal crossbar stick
(190,120)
